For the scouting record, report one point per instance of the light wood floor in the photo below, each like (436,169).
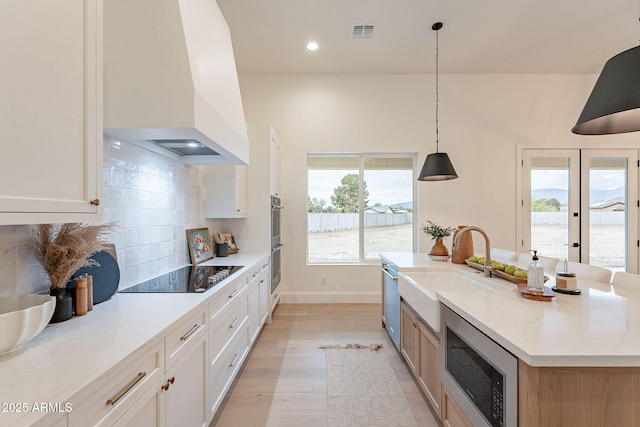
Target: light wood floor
(283,381)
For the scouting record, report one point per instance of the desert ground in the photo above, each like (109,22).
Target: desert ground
(607,243)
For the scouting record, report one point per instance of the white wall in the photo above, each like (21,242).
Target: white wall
(482,118)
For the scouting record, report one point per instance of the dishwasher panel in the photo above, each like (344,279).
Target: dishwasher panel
(392,304)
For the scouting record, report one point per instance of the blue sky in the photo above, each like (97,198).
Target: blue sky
(385,187)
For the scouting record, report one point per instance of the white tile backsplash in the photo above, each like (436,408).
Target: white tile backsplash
(151,198)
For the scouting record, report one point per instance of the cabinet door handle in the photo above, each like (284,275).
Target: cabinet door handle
(191,332)
(234,323)
(234,293)
(168,384)
(95,202)
(125,390)
(262,281)
(233,362)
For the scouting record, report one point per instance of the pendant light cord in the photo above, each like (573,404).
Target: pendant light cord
(437,92)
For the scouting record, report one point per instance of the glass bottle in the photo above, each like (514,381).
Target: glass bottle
(535,275)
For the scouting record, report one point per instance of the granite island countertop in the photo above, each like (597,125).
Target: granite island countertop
(599,328)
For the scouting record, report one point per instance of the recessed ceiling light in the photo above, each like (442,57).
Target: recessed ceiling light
(312,46)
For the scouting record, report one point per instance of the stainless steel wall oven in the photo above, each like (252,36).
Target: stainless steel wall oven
(480,375)
(276,244)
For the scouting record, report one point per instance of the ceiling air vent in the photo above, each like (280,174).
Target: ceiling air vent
(362,31)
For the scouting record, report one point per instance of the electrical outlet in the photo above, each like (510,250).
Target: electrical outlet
(323,281)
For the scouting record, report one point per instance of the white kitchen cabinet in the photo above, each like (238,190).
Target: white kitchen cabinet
(258,299)
(51,111)
(264,292)
(421,350)
(105,400)
(227,189)
(186,388)
(229,340)
(148,411)
(157,385)
(253,307)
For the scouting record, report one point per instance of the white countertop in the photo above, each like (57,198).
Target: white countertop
(600,327)
(67,356)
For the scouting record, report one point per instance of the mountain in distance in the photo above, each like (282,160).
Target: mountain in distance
(552,193)
(563,195)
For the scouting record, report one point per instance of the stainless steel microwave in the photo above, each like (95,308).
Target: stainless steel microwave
(480,375)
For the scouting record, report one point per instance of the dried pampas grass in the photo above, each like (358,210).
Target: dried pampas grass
(62,249)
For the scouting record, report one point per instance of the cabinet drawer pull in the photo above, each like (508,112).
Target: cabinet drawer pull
(265,266)
(262,281)
(191,332)
(168,384)
(125,390)
(234,323)
(233,362)
(234,293)
(255,274)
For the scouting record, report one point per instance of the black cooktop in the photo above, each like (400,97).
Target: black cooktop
(192,278)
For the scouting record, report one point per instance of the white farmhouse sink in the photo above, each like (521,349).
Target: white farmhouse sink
(418,289)
(22,318)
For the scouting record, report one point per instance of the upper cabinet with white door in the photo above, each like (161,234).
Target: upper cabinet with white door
(226,192)
(50,111)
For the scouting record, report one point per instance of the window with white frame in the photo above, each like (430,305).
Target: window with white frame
(359,205)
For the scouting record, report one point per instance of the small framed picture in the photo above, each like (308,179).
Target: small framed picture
(199,242)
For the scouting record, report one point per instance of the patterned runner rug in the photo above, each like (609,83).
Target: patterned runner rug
(363,390)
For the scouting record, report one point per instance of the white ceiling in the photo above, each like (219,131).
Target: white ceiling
(490,36)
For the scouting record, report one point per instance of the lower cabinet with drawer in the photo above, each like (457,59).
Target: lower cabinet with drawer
(228,340)
(162,384)
(107,399)
(180,377)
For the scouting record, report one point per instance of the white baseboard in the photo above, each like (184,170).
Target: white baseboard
(330,297)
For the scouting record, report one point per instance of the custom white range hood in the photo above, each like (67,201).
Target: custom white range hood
(170,80)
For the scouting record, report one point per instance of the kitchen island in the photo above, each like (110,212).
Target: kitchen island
(579,355)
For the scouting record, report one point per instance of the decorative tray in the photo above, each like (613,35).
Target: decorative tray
(547,295)
(501,274)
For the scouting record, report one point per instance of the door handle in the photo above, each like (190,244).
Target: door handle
(576,245)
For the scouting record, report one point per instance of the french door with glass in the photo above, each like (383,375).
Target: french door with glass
(582,205)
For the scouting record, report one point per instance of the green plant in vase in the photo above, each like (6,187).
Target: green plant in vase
(438,233)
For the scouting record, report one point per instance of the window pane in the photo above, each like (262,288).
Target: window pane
(388,213)
(607,213)
(549,206)
(334,201)
(333,219)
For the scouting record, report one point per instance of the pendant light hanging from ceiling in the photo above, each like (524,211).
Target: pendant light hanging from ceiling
(614,103)
(437,166)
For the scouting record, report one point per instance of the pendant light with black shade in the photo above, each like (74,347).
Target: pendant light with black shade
(437,166)
(614,104)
